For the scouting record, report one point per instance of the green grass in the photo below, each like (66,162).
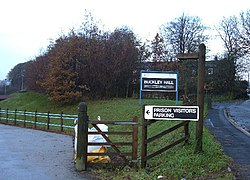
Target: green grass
(178,162)
(33,101)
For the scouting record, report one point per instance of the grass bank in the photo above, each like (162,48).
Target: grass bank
(176,163)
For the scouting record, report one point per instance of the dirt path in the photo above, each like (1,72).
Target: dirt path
(27,154)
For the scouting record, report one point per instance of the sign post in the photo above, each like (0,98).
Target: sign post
(200,97)
(200,91)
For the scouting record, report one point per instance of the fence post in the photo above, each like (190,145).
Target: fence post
(144,137)
(7,116)
(24,121)
(135,142)
(61,121)
(48,121)
(82,138)
(35,119)
(15,117)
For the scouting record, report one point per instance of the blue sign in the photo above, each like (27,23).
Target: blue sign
(159,81)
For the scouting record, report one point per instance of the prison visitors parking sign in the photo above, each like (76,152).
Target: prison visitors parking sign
(190,113)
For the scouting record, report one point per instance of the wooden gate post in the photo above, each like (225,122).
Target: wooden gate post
(200,97)
(82,138)
(135,142)
(144,138)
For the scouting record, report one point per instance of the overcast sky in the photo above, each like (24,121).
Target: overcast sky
(28,25)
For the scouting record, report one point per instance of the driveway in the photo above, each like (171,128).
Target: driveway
(228,130)
(27,154)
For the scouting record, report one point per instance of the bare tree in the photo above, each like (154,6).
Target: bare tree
(235,34)
(229,33)
(183,34)
(245,34)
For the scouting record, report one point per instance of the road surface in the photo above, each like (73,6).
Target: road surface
(27,154)
(230,129)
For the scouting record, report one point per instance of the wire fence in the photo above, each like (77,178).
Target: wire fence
(38,120)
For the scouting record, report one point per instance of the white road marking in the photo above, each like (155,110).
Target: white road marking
(211,122)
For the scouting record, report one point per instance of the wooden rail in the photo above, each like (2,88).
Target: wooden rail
(38,120)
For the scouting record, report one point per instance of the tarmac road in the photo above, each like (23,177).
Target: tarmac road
(231,132)
(27,154)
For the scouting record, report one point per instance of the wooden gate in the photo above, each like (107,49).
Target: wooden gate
(145,140)
(129,158)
